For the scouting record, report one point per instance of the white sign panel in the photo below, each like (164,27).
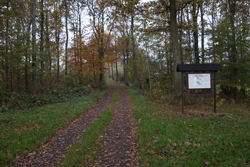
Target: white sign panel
(199,81)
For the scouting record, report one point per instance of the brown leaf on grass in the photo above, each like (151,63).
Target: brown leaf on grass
(174,144)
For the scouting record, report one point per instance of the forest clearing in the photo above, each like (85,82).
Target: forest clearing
(95,83)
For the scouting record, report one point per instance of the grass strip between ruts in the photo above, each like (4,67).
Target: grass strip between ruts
(166,139)
(24,132)
(88,145)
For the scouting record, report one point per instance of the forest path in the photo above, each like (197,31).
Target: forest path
(120,148)
(55,149)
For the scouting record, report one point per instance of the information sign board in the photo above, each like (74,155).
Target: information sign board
(199,81)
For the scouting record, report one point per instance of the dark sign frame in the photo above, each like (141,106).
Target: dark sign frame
(199,68)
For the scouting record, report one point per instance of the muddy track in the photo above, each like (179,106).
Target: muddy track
(56,148)
(120,148)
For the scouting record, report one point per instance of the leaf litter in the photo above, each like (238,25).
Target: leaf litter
(54,149)
(120,142)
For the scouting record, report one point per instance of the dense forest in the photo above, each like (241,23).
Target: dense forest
(75,43)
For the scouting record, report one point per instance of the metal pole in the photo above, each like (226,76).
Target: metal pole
(214,92)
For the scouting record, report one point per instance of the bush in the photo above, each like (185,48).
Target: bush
(11,101)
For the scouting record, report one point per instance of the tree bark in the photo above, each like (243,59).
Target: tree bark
(133,48)
(112,70)
(102,49)
(175,50)
(233,57)
(42,45)
(66,43)
(34,45)
(7,49)
(195,33)
(202,36)
(126,64)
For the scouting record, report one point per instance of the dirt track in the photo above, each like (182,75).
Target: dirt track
(120,146)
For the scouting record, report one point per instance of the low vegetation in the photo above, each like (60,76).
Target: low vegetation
(167,138)
(23,131)
(14,102)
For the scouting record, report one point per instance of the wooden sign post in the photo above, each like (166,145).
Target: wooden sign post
(199,77)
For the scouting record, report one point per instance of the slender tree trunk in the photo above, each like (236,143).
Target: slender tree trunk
(116,64)
(180,37)
(175,49)
(109,70)
(126,64)
(102,50)
(133,48)
(233,57)
(42,45)
(195,33)
(80,43)
(202,36)
(66,44)
(189,40)
(34,66)
(7,49)
(57,36)
(26,73)
(47,40)
(116,68)
(112,70)
(213,34)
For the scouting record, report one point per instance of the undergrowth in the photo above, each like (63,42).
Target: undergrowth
(22,132)
(13,102)
(168,139)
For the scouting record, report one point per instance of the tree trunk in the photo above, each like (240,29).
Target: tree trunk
(202,36)
(233,57)
(26,73)
(7,49)
(112,70)
(195,33)
(102,50)
(41,45)
(109,70)
(34,45)
(175,50)
(48,57)
(133,48)
(66,44)
(213,35)
(126,64)
(116,68)
(116,64)
(57,36)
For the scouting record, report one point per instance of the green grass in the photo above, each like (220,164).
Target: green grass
(22,132)
(109,82)
(167,139)
(118,83)
(87,147)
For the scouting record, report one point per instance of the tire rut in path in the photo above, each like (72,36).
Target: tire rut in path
(120,148)
(52,152)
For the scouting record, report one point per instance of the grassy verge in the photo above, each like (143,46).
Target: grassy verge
(24,131)
(167,139)
(87,147)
